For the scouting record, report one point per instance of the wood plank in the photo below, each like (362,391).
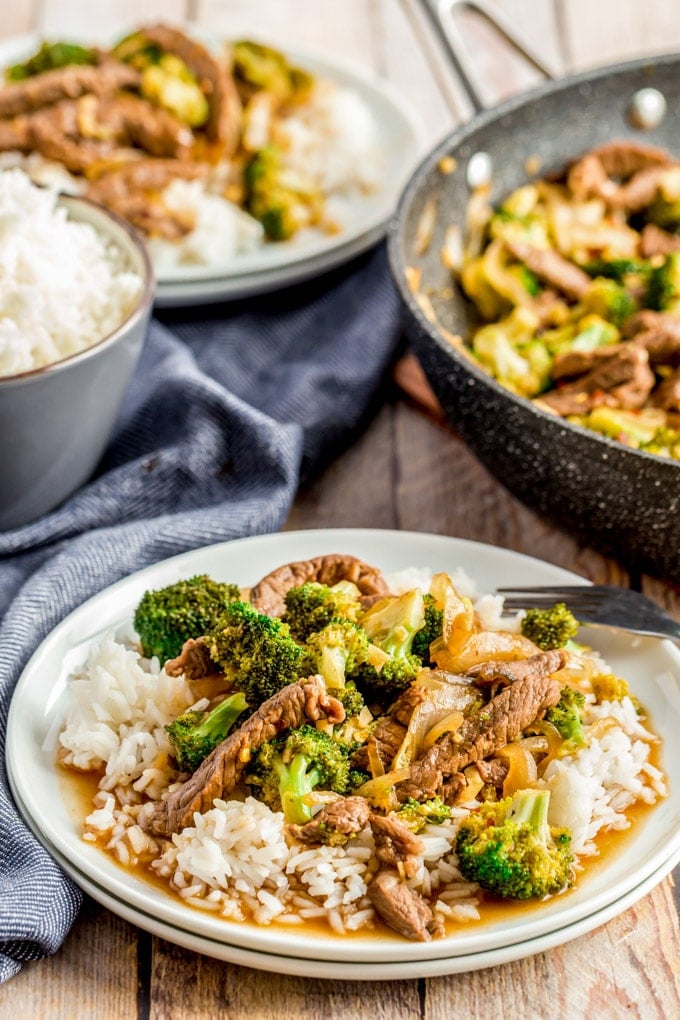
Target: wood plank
(612,30)
(626,968)
(188,985)
(94,974)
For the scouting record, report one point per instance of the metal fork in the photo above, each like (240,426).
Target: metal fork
(601,604)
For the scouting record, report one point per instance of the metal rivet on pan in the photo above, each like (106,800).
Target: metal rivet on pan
(647,108)
(478,170)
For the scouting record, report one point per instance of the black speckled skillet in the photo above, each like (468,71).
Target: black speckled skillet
(624,502)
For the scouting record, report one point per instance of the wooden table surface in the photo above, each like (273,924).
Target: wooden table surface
(629,967)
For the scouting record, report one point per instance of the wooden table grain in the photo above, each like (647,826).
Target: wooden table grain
(630,967)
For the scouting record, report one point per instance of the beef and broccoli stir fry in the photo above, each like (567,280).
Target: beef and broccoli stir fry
(395,726)
(577,280)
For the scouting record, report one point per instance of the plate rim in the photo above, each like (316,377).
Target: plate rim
(250,937)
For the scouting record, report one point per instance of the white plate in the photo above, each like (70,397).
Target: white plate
(337,970)
(652,666)
(399,139)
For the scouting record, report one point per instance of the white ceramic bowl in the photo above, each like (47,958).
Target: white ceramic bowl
(55,421)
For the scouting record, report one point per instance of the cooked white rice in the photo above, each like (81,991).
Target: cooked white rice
(234,860)
(63,287)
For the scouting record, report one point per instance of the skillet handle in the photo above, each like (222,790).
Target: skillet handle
(441,15)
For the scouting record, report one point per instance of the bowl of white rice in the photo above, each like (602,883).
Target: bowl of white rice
(76,290)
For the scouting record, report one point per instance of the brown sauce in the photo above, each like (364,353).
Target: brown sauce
(79,789)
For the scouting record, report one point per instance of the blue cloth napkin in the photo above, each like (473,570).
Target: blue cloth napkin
(230,408)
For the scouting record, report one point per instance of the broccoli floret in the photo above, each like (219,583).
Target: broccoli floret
(282,199)
(550,628)
(335,651)
(610,300)
(285,770)
(417,814)
(350,699)
(256,651)
(49,57)
(664,443)
(166,618)
(429,632)
(193,735)
(510,351)
(609,687)
(567,717)
(617,269)
(393,622)
(663,293)
(170,83)
(263,67)
(311,606)
(382,685)
(509,848)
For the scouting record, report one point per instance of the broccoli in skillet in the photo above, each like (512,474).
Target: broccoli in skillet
(285,770)
(166,618)
(512,851)
(194,735)
(550,628)
(256,651)
(664,285)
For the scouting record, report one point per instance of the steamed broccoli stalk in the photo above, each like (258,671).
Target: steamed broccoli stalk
(282,199)
(336,651)
(663,293)
(50,57)
(567,717)
(285,770)
(311,606)
(166,618)
(256,651)
(429,632)
(417,814)
(509,848)
(194,735)
(550,628)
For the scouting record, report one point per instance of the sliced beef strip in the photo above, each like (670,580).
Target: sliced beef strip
(553,268)
(396,844)
(193,661)
(639,191)
(268,594)
(66,83)
(625,174)
(622,380)
(655,241)
(15,135)
(658,333)
(623,158)
(390,730)
(498,723)
(344,817)
(536,666)
(402,908)
(223,123)
(667,393)
(222,770)
(572,364)
(492,772)
(133,190)
(54,133)
(132,120)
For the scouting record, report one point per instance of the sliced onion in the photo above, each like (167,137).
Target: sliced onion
(473,784)
(374,761)
(451,723)
(493,644)
(380,791)
(522,773)
(442,699)
(602,726)
(555,740)
(457,625)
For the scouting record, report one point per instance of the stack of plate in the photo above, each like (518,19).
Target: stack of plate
(645,856)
